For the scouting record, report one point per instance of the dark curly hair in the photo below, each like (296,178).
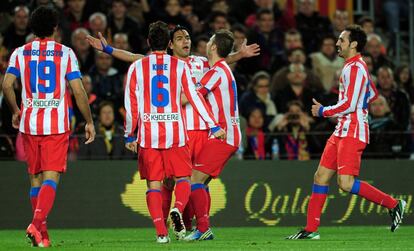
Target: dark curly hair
(43,21)
(158,36)
(357,34)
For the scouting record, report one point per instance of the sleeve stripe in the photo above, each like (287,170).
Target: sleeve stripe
(73,75)
(14,71)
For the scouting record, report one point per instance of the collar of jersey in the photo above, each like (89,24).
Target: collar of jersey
(353,59)
(218,62)
(43,39)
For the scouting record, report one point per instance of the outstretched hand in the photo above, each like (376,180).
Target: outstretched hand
(97,43)
(250,50)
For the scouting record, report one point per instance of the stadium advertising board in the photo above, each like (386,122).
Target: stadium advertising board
(249,193)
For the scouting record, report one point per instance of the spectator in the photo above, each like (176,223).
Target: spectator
(15,34)
(340,21)
(220,5)
(194,21)
(201,45)
(92,100)
(258,96)
(295,88)
(109,137)
(106,82)
(119,22)
(369,61)
(240,34)
(292,40)
(411,135)
(374,47)
(269,40)
(216,21)
(367,24)
(296,62)
(74,16)
(258,143)
(173,14)
(283,18)
(404,78)
(397,99)
(326,62)
(294,125)
(120,41)
(385,142)
(98,23)
(311,25)
(82,49)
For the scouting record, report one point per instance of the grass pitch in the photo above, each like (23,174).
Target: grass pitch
(242,238)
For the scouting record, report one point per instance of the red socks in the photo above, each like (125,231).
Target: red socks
(182,194)
(371,193)
(45,201)
(199,201)
(208,200)
(166,195)
(316,202)
(154,203)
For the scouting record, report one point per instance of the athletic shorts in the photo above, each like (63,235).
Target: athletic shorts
(213,157)
(196,142)
(46,152)
(343,155)
(157,164)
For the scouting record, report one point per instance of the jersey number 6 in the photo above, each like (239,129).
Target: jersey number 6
(160,96)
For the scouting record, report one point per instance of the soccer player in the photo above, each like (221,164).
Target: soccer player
(219,86)
(44,66)
(153,108)
(343,150)
(180,45)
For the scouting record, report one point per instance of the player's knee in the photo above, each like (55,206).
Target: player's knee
(345,183)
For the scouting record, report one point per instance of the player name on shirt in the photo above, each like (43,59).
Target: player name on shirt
(54,53)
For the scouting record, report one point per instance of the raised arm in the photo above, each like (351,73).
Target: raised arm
(246,51)
(102,45)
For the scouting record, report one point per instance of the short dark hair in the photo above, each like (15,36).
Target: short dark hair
(158,36)
(224,41)
(43,21)
(239,28)
(215,14)
(365,19)
(357,34)
(178,28)
(262,12)
(104,103)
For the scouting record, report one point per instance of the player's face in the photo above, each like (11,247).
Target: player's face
(343,44)
(181,44)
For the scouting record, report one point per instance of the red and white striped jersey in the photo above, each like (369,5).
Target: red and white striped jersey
(44,66)
(153,101)
(221,90)
(356,91)
(198,66)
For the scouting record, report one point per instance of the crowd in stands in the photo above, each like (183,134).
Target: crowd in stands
(298,61)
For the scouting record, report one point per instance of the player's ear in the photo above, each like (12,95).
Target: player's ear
(170,44)
(354,44)
(148,43)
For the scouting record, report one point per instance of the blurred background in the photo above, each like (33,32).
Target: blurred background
(298,62)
